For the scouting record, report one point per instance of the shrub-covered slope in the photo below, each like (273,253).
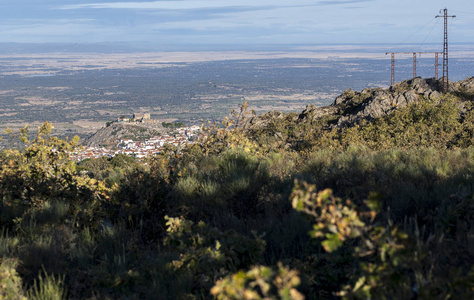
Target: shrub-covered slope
(276,206)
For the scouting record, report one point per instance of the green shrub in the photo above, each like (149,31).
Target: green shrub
(47,287)
(259,283)
(10,282)
(187,188)
(207,254)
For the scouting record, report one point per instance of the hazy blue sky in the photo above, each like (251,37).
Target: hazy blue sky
(234,21)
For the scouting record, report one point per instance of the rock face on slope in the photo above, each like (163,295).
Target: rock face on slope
(463,86)
(351,107)
(313,112)
(373,103)
(263,120)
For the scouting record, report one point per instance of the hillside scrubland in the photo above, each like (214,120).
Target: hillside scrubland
(347,201)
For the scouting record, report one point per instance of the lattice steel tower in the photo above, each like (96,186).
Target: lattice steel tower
(445,49)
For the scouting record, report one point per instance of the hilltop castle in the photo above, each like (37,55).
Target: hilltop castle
(141,117)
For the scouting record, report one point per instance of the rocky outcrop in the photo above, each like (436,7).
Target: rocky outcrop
(265,119)
(352,107)
(374,103)
(463,86)
(313,112)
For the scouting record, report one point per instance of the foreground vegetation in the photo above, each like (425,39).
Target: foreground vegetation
(294,210)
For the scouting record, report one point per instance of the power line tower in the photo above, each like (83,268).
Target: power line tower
(445,48)
(392,82)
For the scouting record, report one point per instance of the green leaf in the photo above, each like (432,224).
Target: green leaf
(360,282)
(266,272)
(332,243)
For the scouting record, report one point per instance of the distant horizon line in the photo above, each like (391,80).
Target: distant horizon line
(146,47)
(145,43)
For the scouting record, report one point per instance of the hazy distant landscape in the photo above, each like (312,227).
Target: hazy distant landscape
(79,92)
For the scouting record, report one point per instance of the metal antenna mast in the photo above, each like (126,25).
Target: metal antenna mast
(445,48)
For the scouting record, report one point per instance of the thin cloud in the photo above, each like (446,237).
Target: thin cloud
(336,2)
(149,5)
(184,4)
(201,14)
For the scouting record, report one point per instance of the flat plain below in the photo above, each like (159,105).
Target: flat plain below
(80,92)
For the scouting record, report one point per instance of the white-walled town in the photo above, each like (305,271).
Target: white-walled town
(140,149)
